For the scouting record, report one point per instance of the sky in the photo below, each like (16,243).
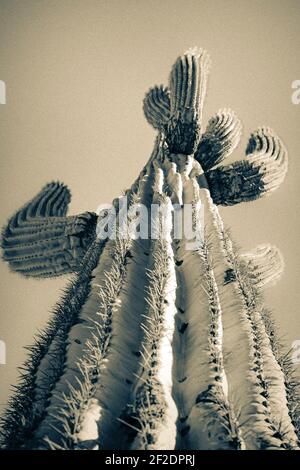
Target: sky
(76,72)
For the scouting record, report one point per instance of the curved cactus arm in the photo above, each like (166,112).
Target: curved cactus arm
(264,264)
(40,241)
(246,180)
(221,137)
(87,394)
(68,419)
(156,107)
(114,389)
(152,412)
(188,81)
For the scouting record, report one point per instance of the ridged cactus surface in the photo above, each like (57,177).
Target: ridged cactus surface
(160,342)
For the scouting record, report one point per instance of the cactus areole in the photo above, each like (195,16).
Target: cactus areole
(155,345)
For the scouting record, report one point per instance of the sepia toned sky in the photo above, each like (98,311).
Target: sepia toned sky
(76,72)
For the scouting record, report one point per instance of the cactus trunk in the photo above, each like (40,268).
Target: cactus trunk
(161,340)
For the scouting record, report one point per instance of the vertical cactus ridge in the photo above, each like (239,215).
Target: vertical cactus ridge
(219,427)
(161,339)
(75,392)
(205,417)
(284,358)
(25,409)
(264,265)
(51,250)
(153,407)
(153,411)
(47,358)
(267,152)
(221,137)
(40,241)
(206,420)
(51,201)
(187,83)
(236,330)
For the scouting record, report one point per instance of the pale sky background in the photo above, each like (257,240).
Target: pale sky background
(76,72)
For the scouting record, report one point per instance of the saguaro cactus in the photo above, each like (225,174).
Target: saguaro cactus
(160,342)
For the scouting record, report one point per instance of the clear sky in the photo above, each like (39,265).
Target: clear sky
(76,72)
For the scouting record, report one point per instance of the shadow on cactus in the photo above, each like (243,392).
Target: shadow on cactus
(154,346)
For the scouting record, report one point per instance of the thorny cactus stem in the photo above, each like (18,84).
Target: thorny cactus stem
(156,345)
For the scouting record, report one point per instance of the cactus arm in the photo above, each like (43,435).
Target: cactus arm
(264,265)
(199,384)
(156,106)
(187,84)
(284,358)
(197,388)
(246,180)
(154,408)
(40,241)
(113,391)
(220,138)
(70,404)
